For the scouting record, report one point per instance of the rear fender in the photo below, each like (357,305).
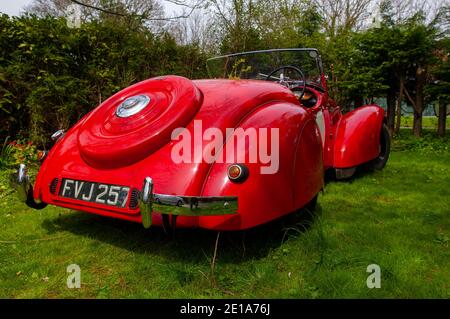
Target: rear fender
(308,165)
(264,197)
(358,136)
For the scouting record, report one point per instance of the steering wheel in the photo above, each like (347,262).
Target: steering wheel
(282,81)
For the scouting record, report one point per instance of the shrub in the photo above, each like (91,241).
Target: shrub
(16,152)
(5,154)
(51,75)
(429,143)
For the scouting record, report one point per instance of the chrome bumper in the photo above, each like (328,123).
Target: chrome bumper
(20,181)
(150,202)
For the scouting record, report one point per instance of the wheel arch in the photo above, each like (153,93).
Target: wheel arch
(308,169)
(357,136)
(262,197)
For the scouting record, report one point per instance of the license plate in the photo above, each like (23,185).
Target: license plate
(99,193)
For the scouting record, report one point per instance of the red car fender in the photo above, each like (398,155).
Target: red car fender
(263,198)
(37,191)
(308,177)
(358,136)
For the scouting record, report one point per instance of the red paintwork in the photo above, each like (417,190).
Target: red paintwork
(108,141)
(104,148)
(351,148)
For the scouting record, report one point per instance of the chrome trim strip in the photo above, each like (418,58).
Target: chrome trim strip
(262,51)
(182,205)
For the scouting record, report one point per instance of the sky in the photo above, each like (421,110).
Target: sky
(14,7)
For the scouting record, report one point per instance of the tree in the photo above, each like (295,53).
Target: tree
(369,72)
(439,88)
(343,16)
(235,24)
(416,26)
(418,51)
(288,23)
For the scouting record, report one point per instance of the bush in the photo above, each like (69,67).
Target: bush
(17,152)
(428,143)
(51,75)
(5,154)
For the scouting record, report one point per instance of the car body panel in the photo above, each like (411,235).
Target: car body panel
(358,136)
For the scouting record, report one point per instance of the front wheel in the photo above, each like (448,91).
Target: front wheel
(385,149)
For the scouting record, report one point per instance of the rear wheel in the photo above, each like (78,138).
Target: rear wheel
(385,149)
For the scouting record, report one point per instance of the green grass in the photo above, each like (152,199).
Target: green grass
(398,218)
(430,122)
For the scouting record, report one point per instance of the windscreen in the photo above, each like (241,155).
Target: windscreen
(259,65)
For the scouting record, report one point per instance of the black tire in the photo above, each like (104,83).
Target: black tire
(179,203)
(385,149)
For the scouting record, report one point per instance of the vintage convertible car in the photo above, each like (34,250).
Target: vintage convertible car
(243,148)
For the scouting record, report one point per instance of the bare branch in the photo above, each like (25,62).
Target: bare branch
(183,3)
(144,17)
(343,15)
(98,9)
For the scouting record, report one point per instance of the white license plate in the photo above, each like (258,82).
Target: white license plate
(99,193)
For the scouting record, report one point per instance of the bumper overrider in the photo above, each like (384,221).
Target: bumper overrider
(20,181)
(148,202)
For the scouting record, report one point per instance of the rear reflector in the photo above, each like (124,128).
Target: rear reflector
(134,198)
(53,186)
(237,173)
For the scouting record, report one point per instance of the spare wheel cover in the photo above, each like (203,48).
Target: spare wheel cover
(116,136)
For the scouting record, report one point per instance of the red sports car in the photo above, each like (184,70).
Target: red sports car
(243,148)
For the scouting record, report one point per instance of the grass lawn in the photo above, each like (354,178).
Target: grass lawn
(398,218)
(430,122)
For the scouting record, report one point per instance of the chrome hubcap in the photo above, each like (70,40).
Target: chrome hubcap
(132,105)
